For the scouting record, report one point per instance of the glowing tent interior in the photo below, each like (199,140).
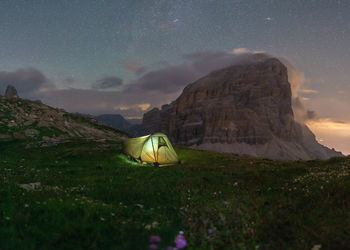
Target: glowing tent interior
(155,148)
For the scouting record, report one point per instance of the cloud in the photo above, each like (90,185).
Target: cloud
(135,66)
(108,83)
(140,107)
(69,81)
(308,91)
(341,92)
(25,80)
(94,101)
(144,106)
(166,80)
(301,113)
(173,78)
(297,81)
(238,51)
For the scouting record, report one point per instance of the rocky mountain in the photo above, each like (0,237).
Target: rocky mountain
(135,121)
(119,122)
(243,109)
(42,125)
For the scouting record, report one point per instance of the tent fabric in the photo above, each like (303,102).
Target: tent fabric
(155,148)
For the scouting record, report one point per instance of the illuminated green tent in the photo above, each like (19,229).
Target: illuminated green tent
(155,148)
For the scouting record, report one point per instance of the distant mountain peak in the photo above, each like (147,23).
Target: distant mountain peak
(119,122)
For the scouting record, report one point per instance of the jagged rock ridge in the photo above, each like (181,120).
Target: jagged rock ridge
(244,109)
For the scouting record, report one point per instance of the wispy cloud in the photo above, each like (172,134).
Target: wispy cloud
(308,91)
(135,66)
(238,51)
(108,83)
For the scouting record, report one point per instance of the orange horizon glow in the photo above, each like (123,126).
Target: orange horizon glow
(332,134)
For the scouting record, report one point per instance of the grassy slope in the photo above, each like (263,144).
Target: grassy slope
(92,197)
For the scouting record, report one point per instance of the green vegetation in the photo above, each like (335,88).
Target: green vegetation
(91,196)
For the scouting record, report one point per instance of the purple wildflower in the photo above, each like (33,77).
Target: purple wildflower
(154,238)
(180,241)
(153,246)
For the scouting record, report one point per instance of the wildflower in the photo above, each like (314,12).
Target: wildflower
(180,241)
(139,205)
(102,219)
(155,224)
(154,238)
(7,218)
(316,247)
(148,227)
(153,246)
(26,205)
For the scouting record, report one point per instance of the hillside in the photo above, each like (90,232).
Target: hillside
(90,197)
(42,125)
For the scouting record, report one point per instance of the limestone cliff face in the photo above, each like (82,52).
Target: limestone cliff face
(244,109)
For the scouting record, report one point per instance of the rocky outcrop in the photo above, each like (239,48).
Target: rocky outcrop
(243,109)
(42,125)
(11,92)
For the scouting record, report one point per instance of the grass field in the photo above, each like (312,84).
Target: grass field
(92,197)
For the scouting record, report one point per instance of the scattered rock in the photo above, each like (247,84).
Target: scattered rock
(31,132)
(38,101)
(4,136)
(19,135)
(31,186)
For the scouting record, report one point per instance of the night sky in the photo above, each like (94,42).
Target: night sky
(129,56)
